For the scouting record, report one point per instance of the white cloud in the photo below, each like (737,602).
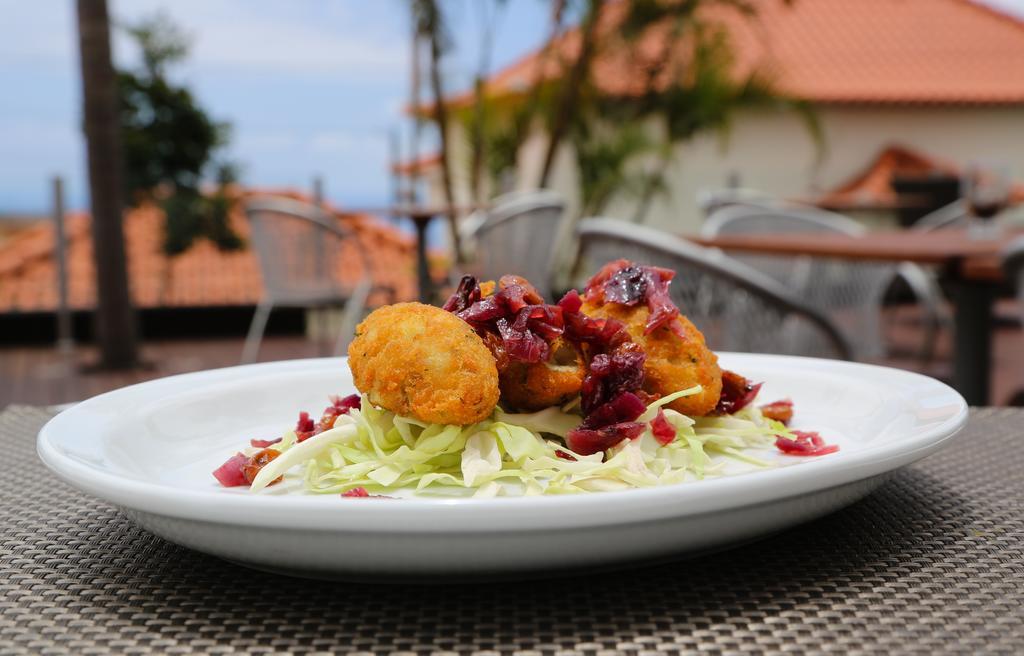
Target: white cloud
(264,141)
(347,141)
(1015,7)
(35,33)
(333,39)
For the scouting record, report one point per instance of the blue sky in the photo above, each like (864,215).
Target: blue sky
(310,86)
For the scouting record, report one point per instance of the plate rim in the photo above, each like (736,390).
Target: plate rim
(427,515)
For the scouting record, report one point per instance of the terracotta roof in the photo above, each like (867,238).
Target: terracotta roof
(831,51)
(418,166)
(872,187)
(202,276)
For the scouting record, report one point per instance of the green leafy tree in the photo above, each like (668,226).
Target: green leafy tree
(691,84)
(170,144)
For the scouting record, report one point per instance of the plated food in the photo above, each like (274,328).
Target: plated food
(501,393)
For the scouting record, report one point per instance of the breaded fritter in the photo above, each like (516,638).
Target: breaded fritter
(419,361)
(673,363)
(529,387)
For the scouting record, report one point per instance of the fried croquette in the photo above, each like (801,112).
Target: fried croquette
(535,386)
(673,363)
(419,361)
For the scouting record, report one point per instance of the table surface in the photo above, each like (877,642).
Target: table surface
(931,562)
(970,258)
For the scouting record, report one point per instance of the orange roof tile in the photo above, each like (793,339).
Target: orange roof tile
(418,166)
(201,276)
(830,51)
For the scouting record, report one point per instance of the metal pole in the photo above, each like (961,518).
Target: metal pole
(414,141)
(65,340)
(318,191)
(395,155)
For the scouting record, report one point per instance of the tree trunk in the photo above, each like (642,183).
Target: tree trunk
(523,120)
(441,118)
(115,318)
(476,164)
(414,138)
(571,86)
(476,182)
(651,185)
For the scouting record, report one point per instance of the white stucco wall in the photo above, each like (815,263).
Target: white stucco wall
(773,152)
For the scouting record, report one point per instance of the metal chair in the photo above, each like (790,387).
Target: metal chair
(953,215)
(736,307)
(518,235)
(299,247)
(849,292)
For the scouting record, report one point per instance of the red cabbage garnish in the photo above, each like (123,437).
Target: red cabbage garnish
(612,374)
(344,404)
(626,406)
(527,337)
(603,334)
(230,473)
(737,393)
(807,443)
(361,493)
(778,410)
(586,441)
(609,400)
(304,427)
(571,302)
(663,431)
(262,444)
(527,325)
(516,312)
(339,406)
(628,284)
(565,455)
(467,293)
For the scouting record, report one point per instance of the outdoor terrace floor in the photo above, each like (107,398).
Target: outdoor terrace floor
(41,375)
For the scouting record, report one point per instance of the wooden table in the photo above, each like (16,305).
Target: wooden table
(970,268)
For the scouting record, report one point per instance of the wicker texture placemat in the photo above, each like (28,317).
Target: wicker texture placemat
(932,562)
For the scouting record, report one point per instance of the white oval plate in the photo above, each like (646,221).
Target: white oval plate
(150,448)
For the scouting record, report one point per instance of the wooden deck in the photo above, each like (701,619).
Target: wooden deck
(43,376)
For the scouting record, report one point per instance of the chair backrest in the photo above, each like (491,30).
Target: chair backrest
(518,236)
(711,200)
(953,215)
(754,218)
(847,291)
(736,307)
(300,249)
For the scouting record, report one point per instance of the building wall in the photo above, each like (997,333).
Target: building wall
(774,152)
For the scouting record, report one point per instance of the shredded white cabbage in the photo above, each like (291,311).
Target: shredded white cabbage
(514,454)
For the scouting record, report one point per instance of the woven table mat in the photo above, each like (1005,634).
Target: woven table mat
(931,562)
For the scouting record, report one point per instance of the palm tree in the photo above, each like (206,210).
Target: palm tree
(572,84)
(115,318)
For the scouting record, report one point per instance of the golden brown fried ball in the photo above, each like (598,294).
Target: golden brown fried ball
(673,363)
(530,387)
(419,361)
